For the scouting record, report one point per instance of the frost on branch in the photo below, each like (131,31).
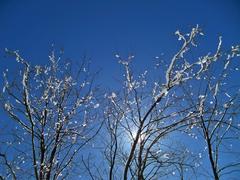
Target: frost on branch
(148,111)
(55,106)
(152,122)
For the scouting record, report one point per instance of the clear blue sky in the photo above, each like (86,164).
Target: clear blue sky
(99,29)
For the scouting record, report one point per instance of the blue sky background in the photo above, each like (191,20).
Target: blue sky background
(101,28)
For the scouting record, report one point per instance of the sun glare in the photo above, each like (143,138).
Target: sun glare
(133,134)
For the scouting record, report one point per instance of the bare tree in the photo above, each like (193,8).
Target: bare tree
(54,108)
(56,111)
(217,118)
(143,117)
